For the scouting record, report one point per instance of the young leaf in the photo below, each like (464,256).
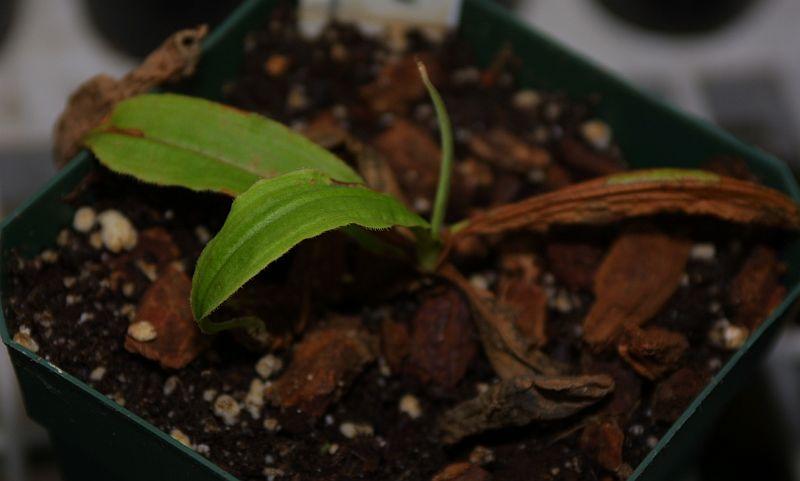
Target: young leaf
(276,214)
(190,142)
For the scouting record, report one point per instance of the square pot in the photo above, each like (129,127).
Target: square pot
(97,439)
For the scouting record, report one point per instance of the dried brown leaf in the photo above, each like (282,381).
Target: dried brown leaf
(652,352)
(175,59)
(641,193)
(324,364)
(165,305)
(462,472)
(507,151)
(522,400)
(508,350)
(756,290)
(641,271)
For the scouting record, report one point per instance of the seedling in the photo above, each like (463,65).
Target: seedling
(286,188)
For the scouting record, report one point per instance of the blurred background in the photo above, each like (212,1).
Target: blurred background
(734,62)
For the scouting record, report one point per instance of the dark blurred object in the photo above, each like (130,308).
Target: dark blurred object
(7,8)
(136,27)
(678,16)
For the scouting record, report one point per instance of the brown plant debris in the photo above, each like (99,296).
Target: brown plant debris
(398,84)
(673,395)
(522,400)
(326,131)
(528,301)
(756,290)
(581,157)
(641,193)
(642,269)
(442,342)
(462,471)
(323,365)
(174,60)
(508,350)
(415,156)
(506,151)
(395,343)
(603,441)
(652,352)
(165,305)
(574,263)
(154,252)
(376,171)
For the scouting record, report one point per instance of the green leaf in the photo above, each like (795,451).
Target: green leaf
(173,139)
(276,214)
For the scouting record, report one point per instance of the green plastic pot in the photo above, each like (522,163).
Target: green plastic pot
(98,439)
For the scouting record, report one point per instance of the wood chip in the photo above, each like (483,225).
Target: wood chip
(507,151)
(603,441)
(579,156)
(652,352)
(165,305)
(398,84)
(462,472)
(174,60)
(756,290)
(414,155)
(442,342)
(574,263)
(323,365)
(642,193)
(522,400)
(642,269)
(673,395)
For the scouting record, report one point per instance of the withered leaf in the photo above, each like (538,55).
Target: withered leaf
(398,84)
(674,394)
(165,305)
(323,365)
(574,263)
(175,59)
(510,353)
(414,155)
(528,301)
(463,471)
(522,400)
(603,441)
(581,157)
(641,271)
(642,193)
(506,151)
(442,343)
(756,290)
(652,352)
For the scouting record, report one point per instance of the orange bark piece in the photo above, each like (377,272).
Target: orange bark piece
(165,305)
(153,245)
(442,342)
(641,271)
(652,352)
(674,394)
(395,343)
(756,290)
(641,193)
(399,83)
(603,441)
(507,151)
(414,155)
(574,263)
(324,364)
(462,471)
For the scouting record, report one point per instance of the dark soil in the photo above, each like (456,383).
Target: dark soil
(79,320)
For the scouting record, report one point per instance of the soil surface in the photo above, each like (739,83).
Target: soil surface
(78,299)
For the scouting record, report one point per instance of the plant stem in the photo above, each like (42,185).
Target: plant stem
(446,167)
